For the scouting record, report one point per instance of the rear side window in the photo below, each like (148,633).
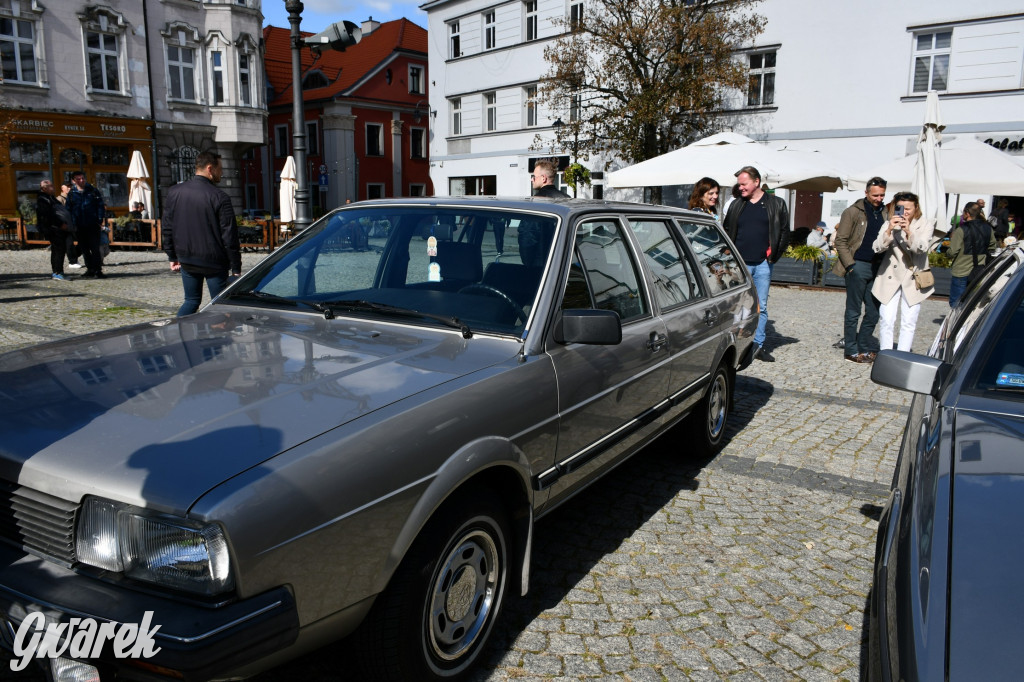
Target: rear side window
(603,274)
(717,263)
(1002,370)
(674,279)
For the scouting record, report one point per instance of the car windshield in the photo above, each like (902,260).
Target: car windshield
(470,268)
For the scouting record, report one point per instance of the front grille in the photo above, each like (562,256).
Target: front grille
(38,523)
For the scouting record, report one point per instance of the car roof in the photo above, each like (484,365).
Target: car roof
(565,207)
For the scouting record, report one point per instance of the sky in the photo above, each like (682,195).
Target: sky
(319,14)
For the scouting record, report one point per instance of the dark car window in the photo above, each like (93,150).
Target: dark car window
(718,265)
(1002,367)
(974,306)
(603,274)
(674,280)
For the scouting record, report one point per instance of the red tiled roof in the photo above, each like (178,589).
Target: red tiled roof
(342,69)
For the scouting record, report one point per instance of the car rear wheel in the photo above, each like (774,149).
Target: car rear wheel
(709,419)
(434,619)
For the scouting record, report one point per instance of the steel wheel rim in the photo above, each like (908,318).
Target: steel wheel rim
(463,595)
(717,406)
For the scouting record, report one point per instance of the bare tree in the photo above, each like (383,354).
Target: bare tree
(638,78)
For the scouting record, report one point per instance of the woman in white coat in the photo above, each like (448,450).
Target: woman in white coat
(904,240)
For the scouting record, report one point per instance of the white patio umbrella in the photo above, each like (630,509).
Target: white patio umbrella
(927,183)
(968,167)
(139,190)
(720,156)
(287,191)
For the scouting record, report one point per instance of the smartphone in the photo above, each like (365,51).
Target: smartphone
(899,209)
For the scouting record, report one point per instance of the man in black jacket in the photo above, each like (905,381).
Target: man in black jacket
(758,223)
(54,222)
(199,232)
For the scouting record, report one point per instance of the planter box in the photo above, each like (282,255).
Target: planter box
(792,271)
(942,278)
(833,280)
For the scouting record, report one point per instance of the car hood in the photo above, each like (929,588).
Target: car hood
(157,414)
(987,590)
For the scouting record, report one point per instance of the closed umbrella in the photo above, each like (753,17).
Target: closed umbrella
(927,183)
(139,191)
(288,187)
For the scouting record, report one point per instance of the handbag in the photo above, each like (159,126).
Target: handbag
(924,279)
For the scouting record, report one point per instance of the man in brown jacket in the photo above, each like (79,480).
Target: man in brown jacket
(858,264)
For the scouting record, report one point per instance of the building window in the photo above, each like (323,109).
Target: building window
(374,139)
(183,163)
(575,13)
(312,138)
(530,105)
(314,80)
(375,190)
(489,36)
(761,84)
(931,61)
(244,81)
(217,77)
(417,189)
(456,109)
(491,110)
(454,44)
(281,145)
(417,146)
(416,80)
(104,62)
(18,51)
(479,185)
(575,106)
(530,31)
(182,71)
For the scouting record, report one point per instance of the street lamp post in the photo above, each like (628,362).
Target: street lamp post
(302,219)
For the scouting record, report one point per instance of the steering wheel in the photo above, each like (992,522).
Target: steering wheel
(496,293)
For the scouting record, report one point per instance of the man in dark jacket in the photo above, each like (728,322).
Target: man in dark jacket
(53,219)
(88,212)
(858,264)
(758,223)
(200,236)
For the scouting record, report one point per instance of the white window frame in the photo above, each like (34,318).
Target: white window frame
(182,36)
(530,113)
(762,72)
(104,54)
(490,33)
(454,40)
(105,21)
(575,13)
(413,132)
(455,106)
(930,56)
(490,100)
(379,135)
(245,73)
(34,43)
(278,151)
(217,80)
(530,23)
(417,79)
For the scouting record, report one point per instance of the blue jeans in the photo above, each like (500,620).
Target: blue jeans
(193,284)
(858,295)
(762,276)
(957,287)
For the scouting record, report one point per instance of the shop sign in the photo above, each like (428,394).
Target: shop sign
(60,126)
(1006,144)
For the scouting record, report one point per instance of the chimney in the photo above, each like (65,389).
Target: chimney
(369,26)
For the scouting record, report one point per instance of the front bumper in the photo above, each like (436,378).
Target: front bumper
(195,640)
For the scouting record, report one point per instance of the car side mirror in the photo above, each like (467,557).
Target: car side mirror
(592,327)
(908,371)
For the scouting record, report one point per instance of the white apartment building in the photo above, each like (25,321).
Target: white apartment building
(828,76)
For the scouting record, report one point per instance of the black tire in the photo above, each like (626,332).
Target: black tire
(708,421)
(438,612)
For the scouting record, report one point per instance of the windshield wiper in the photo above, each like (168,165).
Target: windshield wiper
(264,297)
(359,305)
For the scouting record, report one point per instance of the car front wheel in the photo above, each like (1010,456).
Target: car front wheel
(438,612)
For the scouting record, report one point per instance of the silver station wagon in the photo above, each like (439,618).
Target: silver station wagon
(356,438)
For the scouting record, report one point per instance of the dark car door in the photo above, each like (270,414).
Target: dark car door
(605,392)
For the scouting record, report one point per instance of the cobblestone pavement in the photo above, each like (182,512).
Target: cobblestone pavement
(754,565)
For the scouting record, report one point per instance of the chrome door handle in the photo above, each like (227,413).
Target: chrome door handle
(656,342)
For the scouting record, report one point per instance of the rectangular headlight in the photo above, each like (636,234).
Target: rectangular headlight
(173,552)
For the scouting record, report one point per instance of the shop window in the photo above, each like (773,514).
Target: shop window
(73,157)
(761,79)
(18,50)
(29,152)
(111,155)
(114,187)
(183,163)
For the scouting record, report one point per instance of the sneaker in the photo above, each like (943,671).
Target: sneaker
(76,266)
(59,277)
(763,355)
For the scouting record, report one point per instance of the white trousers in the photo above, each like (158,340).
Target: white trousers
(887,322)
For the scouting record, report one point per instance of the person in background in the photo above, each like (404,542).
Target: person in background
(69,240)
(199,233)
(88,212)
(53,219)
(858,264)
(758,223)
(981,206)
(542,179)
(819,240)
(704,197)
(1000,220)
(969,246)
(903,241)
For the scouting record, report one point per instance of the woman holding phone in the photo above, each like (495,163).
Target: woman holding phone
(904,240)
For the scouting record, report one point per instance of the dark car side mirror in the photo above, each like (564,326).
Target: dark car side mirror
(908,371)
(593,327)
